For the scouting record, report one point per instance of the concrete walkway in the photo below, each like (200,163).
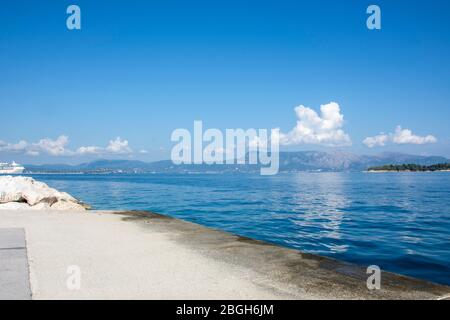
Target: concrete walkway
(142,255)
(14,275)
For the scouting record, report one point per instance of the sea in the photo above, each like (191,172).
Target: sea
(398,221)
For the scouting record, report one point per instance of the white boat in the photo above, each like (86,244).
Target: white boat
(11,168)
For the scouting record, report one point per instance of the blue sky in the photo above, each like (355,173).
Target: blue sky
(140,69)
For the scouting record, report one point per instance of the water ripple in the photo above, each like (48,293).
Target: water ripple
(400,222)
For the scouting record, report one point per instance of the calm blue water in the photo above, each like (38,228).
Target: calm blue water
(398,221)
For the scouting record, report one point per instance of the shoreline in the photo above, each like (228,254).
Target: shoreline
(399,171)
(144,255)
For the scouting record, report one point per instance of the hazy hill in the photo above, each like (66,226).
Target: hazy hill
(289,161)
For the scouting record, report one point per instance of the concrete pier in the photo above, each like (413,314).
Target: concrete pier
(143,255)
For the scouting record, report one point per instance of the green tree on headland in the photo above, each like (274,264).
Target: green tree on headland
(411,167)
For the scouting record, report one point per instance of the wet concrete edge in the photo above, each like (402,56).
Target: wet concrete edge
(287,270)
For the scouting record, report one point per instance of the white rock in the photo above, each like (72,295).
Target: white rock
(68,206)
(17,188)
(24,206)
(14,206)
(41,206)
(9,196)
(37,195)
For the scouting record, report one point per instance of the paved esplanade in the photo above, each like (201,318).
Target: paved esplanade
(14,276)
(144,255)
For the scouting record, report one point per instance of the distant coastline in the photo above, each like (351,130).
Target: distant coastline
(298,161)
(441,167)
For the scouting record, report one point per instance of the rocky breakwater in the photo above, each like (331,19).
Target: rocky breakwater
(25,193)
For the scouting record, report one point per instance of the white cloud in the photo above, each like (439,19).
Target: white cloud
(118,146)
(89,150)
(324,129)
(52,147)
(405,136)
(400,136)
(143,151)
(16,147)
(32,153)
(58,147)
(256,143)
(379,140)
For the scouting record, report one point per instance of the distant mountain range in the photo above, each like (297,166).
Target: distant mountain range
(289,162)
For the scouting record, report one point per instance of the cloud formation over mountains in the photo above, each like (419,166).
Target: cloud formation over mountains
(58,147)
(324,129)
(400,136)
